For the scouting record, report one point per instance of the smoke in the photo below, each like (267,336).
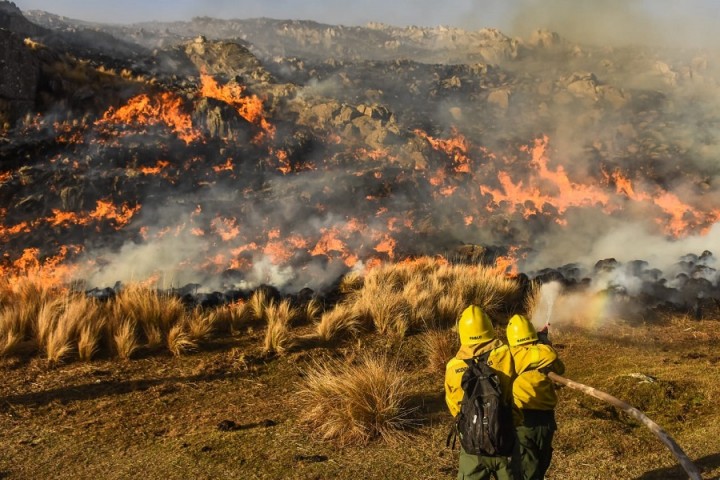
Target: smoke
(621,22)
(386,157)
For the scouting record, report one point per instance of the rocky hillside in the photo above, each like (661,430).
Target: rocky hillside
(291,152)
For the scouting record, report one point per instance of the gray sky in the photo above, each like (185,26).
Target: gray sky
(689,22)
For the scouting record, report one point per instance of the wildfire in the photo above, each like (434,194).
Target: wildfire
(143,110)
(250,107)
(679,217)
(226,167)
(159,167)
(544,187)
(226,228)
(50,271)
(508,264)
(455,147)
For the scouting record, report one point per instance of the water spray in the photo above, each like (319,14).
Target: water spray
(678,453)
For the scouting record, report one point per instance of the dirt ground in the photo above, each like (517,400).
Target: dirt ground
(227,411)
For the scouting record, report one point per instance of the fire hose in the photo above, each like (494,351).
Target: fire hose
(677,452)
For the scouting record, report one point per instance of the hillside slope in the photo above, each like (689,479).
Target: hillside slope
(159,417)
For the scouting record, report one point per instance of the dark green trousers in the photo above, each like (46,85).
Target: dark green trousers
(533,448)
(475,467)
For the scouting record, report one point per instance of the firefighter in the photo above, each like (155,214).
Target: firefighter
(477,336)
(534,395)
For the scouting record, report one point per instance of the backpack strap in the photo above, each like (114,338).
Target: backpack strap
(452,434)
(483,357)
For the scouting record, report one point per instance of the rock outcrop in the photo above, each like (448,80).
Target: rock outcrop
(19,71)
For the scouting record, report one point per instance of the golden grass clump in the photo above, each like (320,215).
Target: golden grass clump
(179,342)
(311,311)
(228,318)
(340,322)
(89,338)
(17,323)
(278,338)
(351,282)
(357,403)
(154,312)
(439,346)
(11,330)
(124,338)
(61,322)
(257,304)
(201,324)
(23,298)
(407,297)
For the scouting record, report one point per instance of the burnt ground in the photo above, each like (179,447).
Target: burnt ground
(228,412)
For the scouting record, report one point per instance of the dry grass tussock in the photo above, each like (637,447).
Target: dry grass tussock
(154,312)
(439,346)
(393,300)
(356,403)
(338,323)
(179,341)
(67,323)
(278,337)
(257,305)
(20,302)
(124,338)
(407,297)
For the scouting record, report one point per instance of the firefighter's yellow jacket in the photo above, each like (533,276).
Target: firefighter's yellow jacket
(532,389)
(499,359)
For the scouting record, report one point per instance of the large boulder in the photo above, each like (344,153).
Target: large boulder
(19,72)
(12,19)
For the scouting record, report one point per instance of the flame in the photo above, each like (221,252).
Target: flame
(328,242)
(108,211)
(278,252)
(508,264)
(50,271)
(682,216)
(226,167)
(545,187)
(387,245)
(250,107)
(159,166)
(455,147)
(165,108)
(105,210)
(226,228)
(282,157)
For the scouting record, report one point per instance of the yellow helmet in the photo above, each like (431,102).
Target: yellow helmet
(520,331)
(475,326)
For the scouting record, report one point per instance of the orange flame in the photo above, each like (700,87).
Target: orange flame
(544,187)
(50,271)
(249,107)
(226,167)
(165,108)
(455,147)
(226,228)
(161,164)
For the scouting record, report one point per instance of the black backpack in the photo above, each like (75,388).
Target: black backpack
(485,423)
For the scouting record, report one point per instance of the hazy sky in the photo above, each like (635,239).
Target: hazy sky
(691,22)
